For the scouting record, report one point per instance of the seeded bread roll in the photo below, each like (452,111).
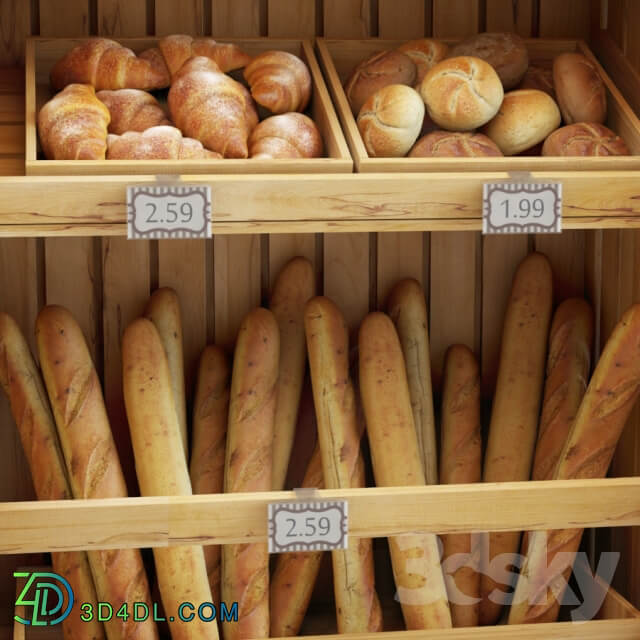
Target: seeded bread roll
(526,118)
(585,139)
(539,78)
(446,144)
(505,52)
(462,93)
(390,121)
(380,70)
(581,93)
(425,53)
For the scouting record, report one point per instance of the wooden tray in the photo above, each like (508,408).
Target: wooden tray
(43,53)
(339,57)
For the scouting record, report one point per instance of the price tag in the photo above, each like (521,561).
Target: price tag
(307,526)
(172,211)
(513,207)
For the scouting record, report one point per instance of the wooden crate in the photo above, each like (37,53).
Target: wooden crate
(43,53)
(339,57)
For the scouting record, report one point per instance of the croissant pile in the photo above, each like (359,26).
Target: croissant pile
(104,108)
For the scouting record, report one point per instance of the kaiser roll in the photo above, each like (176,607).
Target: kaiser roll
(425,53)
(539,78)
(585,139)
(445,144)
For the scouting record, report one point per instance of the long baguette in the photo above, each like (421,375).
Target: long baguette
(293,287)
(91,458)
(162,471)
(415,558)
(461,463)
(295,574)
(252,405)
(587,453)
(21,381)
(163,309)
(408,310)
(357,605)
(516,407)
(210,411)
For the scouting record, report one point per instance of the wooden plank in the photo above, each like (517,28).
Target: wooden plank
(401,19)
(15,25)
(618,21)
(11,108)
(122,18)
(566,253)
(566,19)
(510,15)
(64,18)
(239,18)
(12,138)
(400,255)
(284,246)
(632,19)
(455,18)
(186,16)
(347,18)
(292,18)
(12,166)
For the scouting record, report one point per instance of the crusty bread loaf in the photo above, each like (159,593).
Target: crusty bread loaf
(579,88)
(462,93)
(132,110)
(206,469)
(380,70)
(162,470)
(357,605)
(585,139)
(505,52)
(587,453)
(516,404)
(540,78)
(451,144)
(289,135)
(525,119)
(390,121)
(396,463)
(461,463)
(91,458)
(425,53)
(21,381)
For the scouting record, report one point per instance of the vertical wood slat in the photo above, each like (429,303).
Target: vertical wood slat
(239,18)
(567,19)
(401,19)
(15,25)
(632,16)
(347,18)
(619,20)
(127,18)
(186,16)
(507,15)
(566,253)
(63,18)
(292,18)
(455,18)
(284,246)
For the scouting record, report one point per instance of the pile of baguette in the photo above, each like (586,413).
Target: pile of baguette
(105,108)
(480,98)
(238,435)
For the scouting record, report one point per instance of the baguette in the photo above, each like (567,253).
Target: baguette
(293,287)
(408,310)
(295,574)
(21,381)
(249,458)
(516,405)
(357,605)
(91,458)
(461,463)
(415,558)
(210,409)
(162,470)
(587,453)
(163,309)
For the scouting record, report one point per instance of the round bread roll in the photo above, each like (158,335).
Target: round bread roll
(425,53)
(539,78)
(580,90)
(380,70)
(585,139)
(289,135)
(526,117)
(505,52)
(446,144)
(390,121)
(462,94)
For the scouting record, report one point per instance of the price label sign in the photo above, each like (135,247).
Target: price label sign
(161,212)
(510,207)
(307,526)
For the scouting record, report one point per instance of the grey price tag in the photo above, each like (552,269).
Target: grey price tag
(169,211)
(518,207)
(307,526)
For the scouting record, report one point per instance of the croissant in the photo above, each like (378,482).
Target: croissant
(156,143)
(73,125)
(132,110)
(106,64)
(279,81)
(211,107)
(290,135)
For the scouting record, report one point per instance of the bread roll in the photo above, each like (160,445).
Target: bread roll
(380,70)
(447,144)
(132,110)
(290,135)
(462,93)
(390,121)
(581,92)
(585,139)
(539,78)
(526,118)
(425,53)
(505,52)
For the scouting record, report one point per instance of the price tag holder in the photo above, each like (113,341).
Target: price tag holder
(521,207)
(168,211)
(308,526)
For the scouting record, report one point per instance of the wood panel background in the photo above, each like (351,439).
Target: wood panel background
(466,277)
